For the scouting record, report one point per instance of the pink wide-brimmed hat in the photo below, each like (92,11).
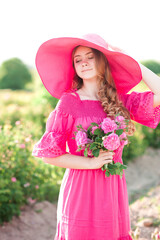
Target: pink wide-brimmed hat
(54,64)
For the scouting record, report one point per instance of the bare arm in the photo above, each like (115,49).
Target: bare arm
(153,82)
(69,161)
(80,162)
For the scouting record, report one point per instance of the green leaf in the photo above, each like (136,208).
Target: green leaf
(94,124)
(98,139)
(85,152)
(105,166)
(118,171)
(89,128)
(96,152)
(123,167)
(119,132)
(78,150)
(80,126)
(118,164)
(121,176)
(112,172)
(93,145)
(111,166)
(97,131)
(107,173)
(102,168)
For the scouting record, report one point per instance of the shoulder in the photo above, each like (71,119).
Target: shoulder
(67,103)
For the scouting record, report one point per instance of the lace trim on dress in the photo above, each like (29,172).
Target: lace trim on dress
(51,144)
(141,108)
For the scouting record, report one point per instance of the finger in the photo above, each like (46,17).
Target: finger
(107,161)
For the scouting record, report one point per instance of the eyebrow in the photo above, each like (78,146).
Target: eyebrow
(85,54)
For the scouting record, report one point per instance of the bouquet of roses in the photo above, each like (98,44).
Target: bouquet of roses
(108,135)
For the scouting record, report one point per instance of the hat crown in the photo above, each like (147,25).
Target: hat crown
(96,39)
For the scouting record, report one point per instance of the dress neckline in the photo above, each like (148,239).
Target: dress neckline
(73,90)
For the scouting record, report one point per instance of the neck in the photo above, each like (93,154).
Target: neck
(90,89)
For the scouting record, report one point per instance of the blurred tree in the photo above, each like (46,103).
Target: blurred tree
(14,74)
(153,65)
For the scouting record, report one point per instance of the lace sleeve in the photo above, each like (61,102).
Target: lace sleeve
(53,141)
(140,106)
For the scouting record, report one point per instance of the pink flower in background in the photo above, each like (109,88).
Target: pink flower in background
(81,138)
(36,186)
(108,125)
(94,128)
(111,142)
(27,139)
(22,145)
(26,185)
(13,179)
(17,123)
(30,200)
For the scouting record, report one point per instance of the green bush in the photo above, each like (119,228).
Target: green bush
(152,136)
(153,65)
(137,146)
(23,178)
(14,74)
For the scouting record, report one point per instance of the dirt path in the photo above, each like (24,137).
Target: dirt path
(39,221)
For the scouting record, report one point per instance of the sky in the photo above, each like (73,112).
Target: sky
(132,25)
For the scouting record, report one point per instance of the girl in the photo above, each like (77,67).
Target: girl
(91,80)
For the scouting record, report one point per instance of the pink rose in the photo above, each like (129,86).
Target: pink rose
(119,118)
(123,135)
(81,138)
(123,138)
(89,153)
(108,125)
(121,121)
(124,142)
(111,142)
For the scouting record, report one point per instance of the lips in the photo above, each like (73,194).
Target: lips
(86,70)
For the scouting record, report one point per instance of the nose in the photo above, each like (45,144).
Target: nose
(84,63)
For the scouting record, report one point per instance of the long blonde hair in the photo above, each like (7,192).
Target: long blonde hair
(107,93)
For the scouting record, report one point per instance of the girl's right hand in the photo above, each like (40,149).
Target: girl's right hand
(103,158)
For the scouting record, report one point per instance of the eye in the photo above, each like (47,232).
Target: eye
(90,57)
(77,60)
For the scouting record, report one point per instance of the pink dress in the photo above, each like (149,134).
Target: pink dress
(91,206)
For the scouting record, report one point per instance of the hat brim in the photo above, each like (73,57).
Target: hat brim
(54,65)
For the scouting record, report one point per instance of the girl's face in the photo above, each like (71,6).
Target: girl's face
(85,63)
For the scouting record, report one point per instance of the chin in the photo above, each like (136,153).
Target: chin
(88,76)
